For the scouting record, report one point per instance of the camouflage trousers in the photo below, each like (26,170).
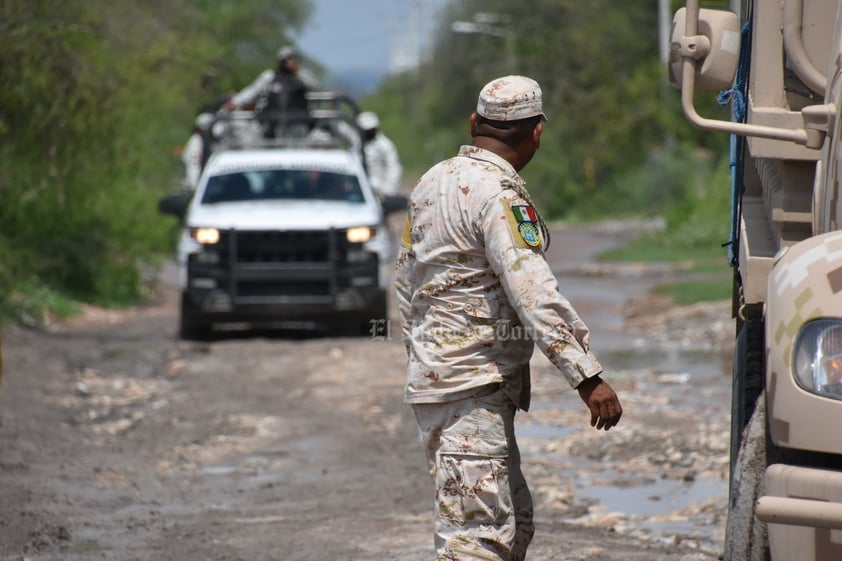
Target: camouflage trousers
(483,505)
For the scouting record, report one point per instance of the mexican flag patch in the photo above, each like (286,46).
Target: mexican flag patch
(523,224)
(524,213)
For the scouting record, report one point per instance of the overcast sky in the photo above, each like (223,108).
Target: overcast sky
(371,36)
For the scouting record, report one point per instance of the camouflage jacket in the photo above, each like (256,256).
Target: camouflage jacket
(475,291)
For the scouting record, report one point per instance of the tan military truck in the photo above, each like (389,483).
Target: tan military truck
(780,62)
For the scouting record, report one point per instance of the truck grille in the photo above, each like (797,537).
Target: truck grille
(265,267)
(255,289)
(285,247)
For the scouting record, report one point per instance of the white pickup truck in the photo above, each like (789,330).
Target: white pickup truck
(288,231)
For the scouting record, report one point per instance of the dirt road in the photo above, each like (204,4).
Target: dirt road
(117,442)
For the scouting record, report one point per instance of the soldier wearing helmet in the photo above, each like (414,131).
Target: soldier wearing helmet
(197,150)
(383,164)
(280,95)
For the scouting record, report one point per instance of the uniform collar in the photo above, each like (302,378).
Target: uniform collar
(488,156)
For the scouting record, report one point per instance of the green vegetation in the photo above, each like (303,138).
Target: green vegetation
(693,291)
(653,248)
(616,143)
(99,95)
(692,239)
(614,122)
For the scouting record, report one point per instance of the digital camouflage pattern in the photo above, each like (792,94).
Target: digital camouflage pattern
(474,288)
(483,505)
(805,285)
(475,293)
(511,98)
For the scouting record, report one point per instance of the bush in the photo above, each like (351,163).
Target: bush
(97,97)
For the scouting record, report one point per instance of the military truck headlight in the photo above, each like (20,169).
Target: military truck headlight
(361,234)
(208,236)
(817,357)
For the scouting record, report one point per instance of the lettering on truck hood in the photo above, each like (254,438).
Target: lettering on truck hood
(339,161)
(285,215)
(293,165)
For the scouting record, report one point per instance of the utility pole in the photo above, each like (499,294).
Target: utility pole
(664,27)
(495,25)
(736,7)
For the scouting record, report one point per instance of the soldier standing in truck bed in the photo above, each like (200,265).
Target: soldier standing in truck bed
(279,96)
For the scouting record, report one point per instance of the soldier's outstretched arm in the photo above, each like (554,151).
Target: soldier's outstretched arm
(514,249)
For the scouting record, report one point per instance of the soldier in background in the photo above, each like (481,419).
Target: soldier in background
(197,150)
(279,96)
(383,165)
(475,294)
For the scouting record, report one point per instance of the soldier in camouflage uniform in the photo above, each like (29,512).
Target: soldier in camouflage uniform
(475,293)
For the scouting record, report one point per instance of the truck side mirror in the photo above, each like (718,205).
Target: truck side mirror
(716,47)
(393,203)
(175,205)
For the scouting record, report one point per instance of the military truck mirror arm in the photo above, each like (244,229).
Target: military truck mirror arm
(696,47)
(689,50)
(818,123)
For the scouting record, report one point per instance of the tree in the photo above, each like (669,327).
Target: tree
(603,84)
(96,95)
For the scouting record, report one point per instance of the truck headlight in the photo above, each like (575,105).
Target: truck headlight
(208,236)
(817,358)
(361,234)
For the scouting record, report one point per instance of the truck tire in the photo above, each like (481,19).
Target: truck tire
(746,537)
(190,325)
(376,321)
(371,323)
(379,309)
(747,376)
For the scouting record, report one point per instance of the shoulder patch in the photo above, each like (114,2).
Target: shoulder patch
(522,224)
(406,241)
(524,213)
(529,232)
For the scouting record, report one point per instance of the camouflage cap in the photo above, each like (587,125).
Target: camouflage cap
(510,98)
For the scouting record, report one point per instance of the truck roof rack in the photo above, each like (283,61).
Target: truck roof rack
(329,122)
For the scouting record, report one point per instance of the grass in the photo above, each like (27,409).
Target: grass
(685,293)
(709,261)
(654,250)
(30,302)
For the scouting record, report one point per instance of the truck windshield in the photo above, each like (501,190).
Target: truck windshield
(286,184)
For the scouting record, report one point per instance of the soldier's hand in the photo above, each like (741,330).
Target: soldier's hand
(602,402)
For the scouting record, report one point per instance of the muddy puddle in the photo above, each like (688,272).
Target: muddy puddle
(662,474)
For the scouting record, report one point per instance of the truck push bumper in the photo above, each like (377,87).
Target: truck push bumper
(803,507)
